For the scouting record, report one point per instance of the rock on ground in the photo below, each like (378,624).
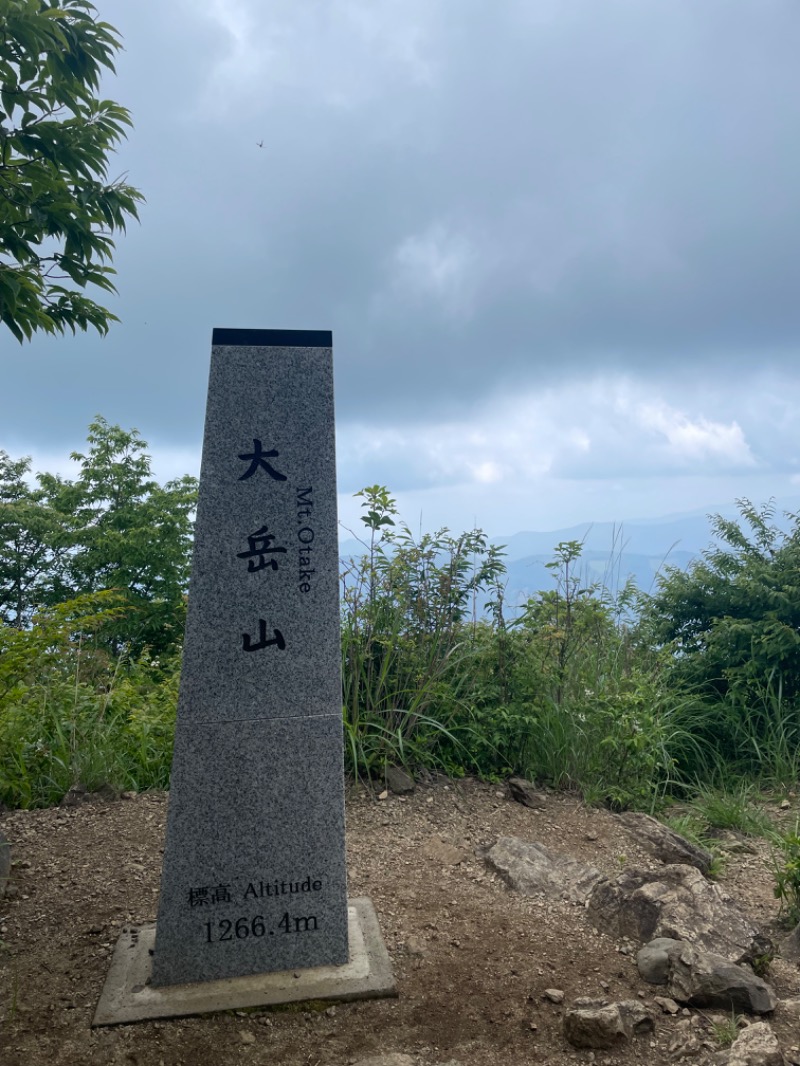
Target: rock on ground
(699,978)
(533,869)
(596,1023)
(664,843)
(756,1045)
(398,781)
(675,902)
(525,792)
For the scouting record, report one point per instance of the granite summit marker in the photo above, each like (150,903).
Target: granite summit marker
(253,906)
(254,873)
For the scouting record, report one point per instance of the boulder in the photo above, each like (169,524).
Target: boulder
(525,792)
(700,978)
(664,843)
(533,869)
(5,864)
(596,1023)
(675,902)
(756,1045)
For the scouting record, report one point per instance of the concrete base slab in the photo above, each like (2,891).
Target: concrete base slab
(128,996)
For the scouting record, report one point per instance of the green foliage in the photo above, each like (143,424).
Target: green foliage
(574,691)
(587,706)
(405,646)
(726,1031)
(732,806)
(32,543)
(692,825)
(786,869)
(560,693)
(58,208)
(758,732)
(729,628)
(113,527)
(732,620)
(70,713)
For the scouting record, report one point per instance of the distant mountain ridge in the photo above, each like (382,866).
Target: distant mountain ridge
(612,552)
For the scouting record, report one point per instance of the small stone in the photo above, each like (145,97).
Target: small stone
(383,795)
(130,795)
(555,995)
(594,1024)
(414,946)
(398,781)
(246,1037)
(785,805)
(74,796)
(524,792)
(667,1005)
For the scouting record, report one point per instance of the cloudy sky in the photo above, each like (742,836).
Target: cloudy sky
(557,242)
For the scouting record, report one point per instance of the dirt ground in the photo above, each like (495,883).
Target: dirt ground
(472,959)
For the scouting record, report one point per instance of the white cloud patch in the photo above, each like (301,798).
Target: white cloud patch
(598,429)
(607,449)
(685,440)
(700,440)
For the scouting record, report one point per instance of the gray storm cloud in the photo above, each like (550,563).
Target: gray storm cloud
(476,198)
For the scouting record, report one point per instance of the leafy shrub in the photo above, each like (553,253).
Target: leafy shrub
(732,619)
(406,642)
(72,714)
(786,869)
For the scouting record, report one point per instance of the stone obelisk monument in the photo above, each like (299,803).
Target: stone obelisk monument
(254,868)
(253,908)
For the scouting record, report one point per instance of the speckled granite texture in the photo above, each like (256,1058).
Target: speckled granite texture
(262,401)
(254,872)
(256,833)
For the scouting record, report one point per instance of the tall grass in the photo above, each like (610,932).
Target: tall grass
(572,692)
(408,628)
(70,714)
